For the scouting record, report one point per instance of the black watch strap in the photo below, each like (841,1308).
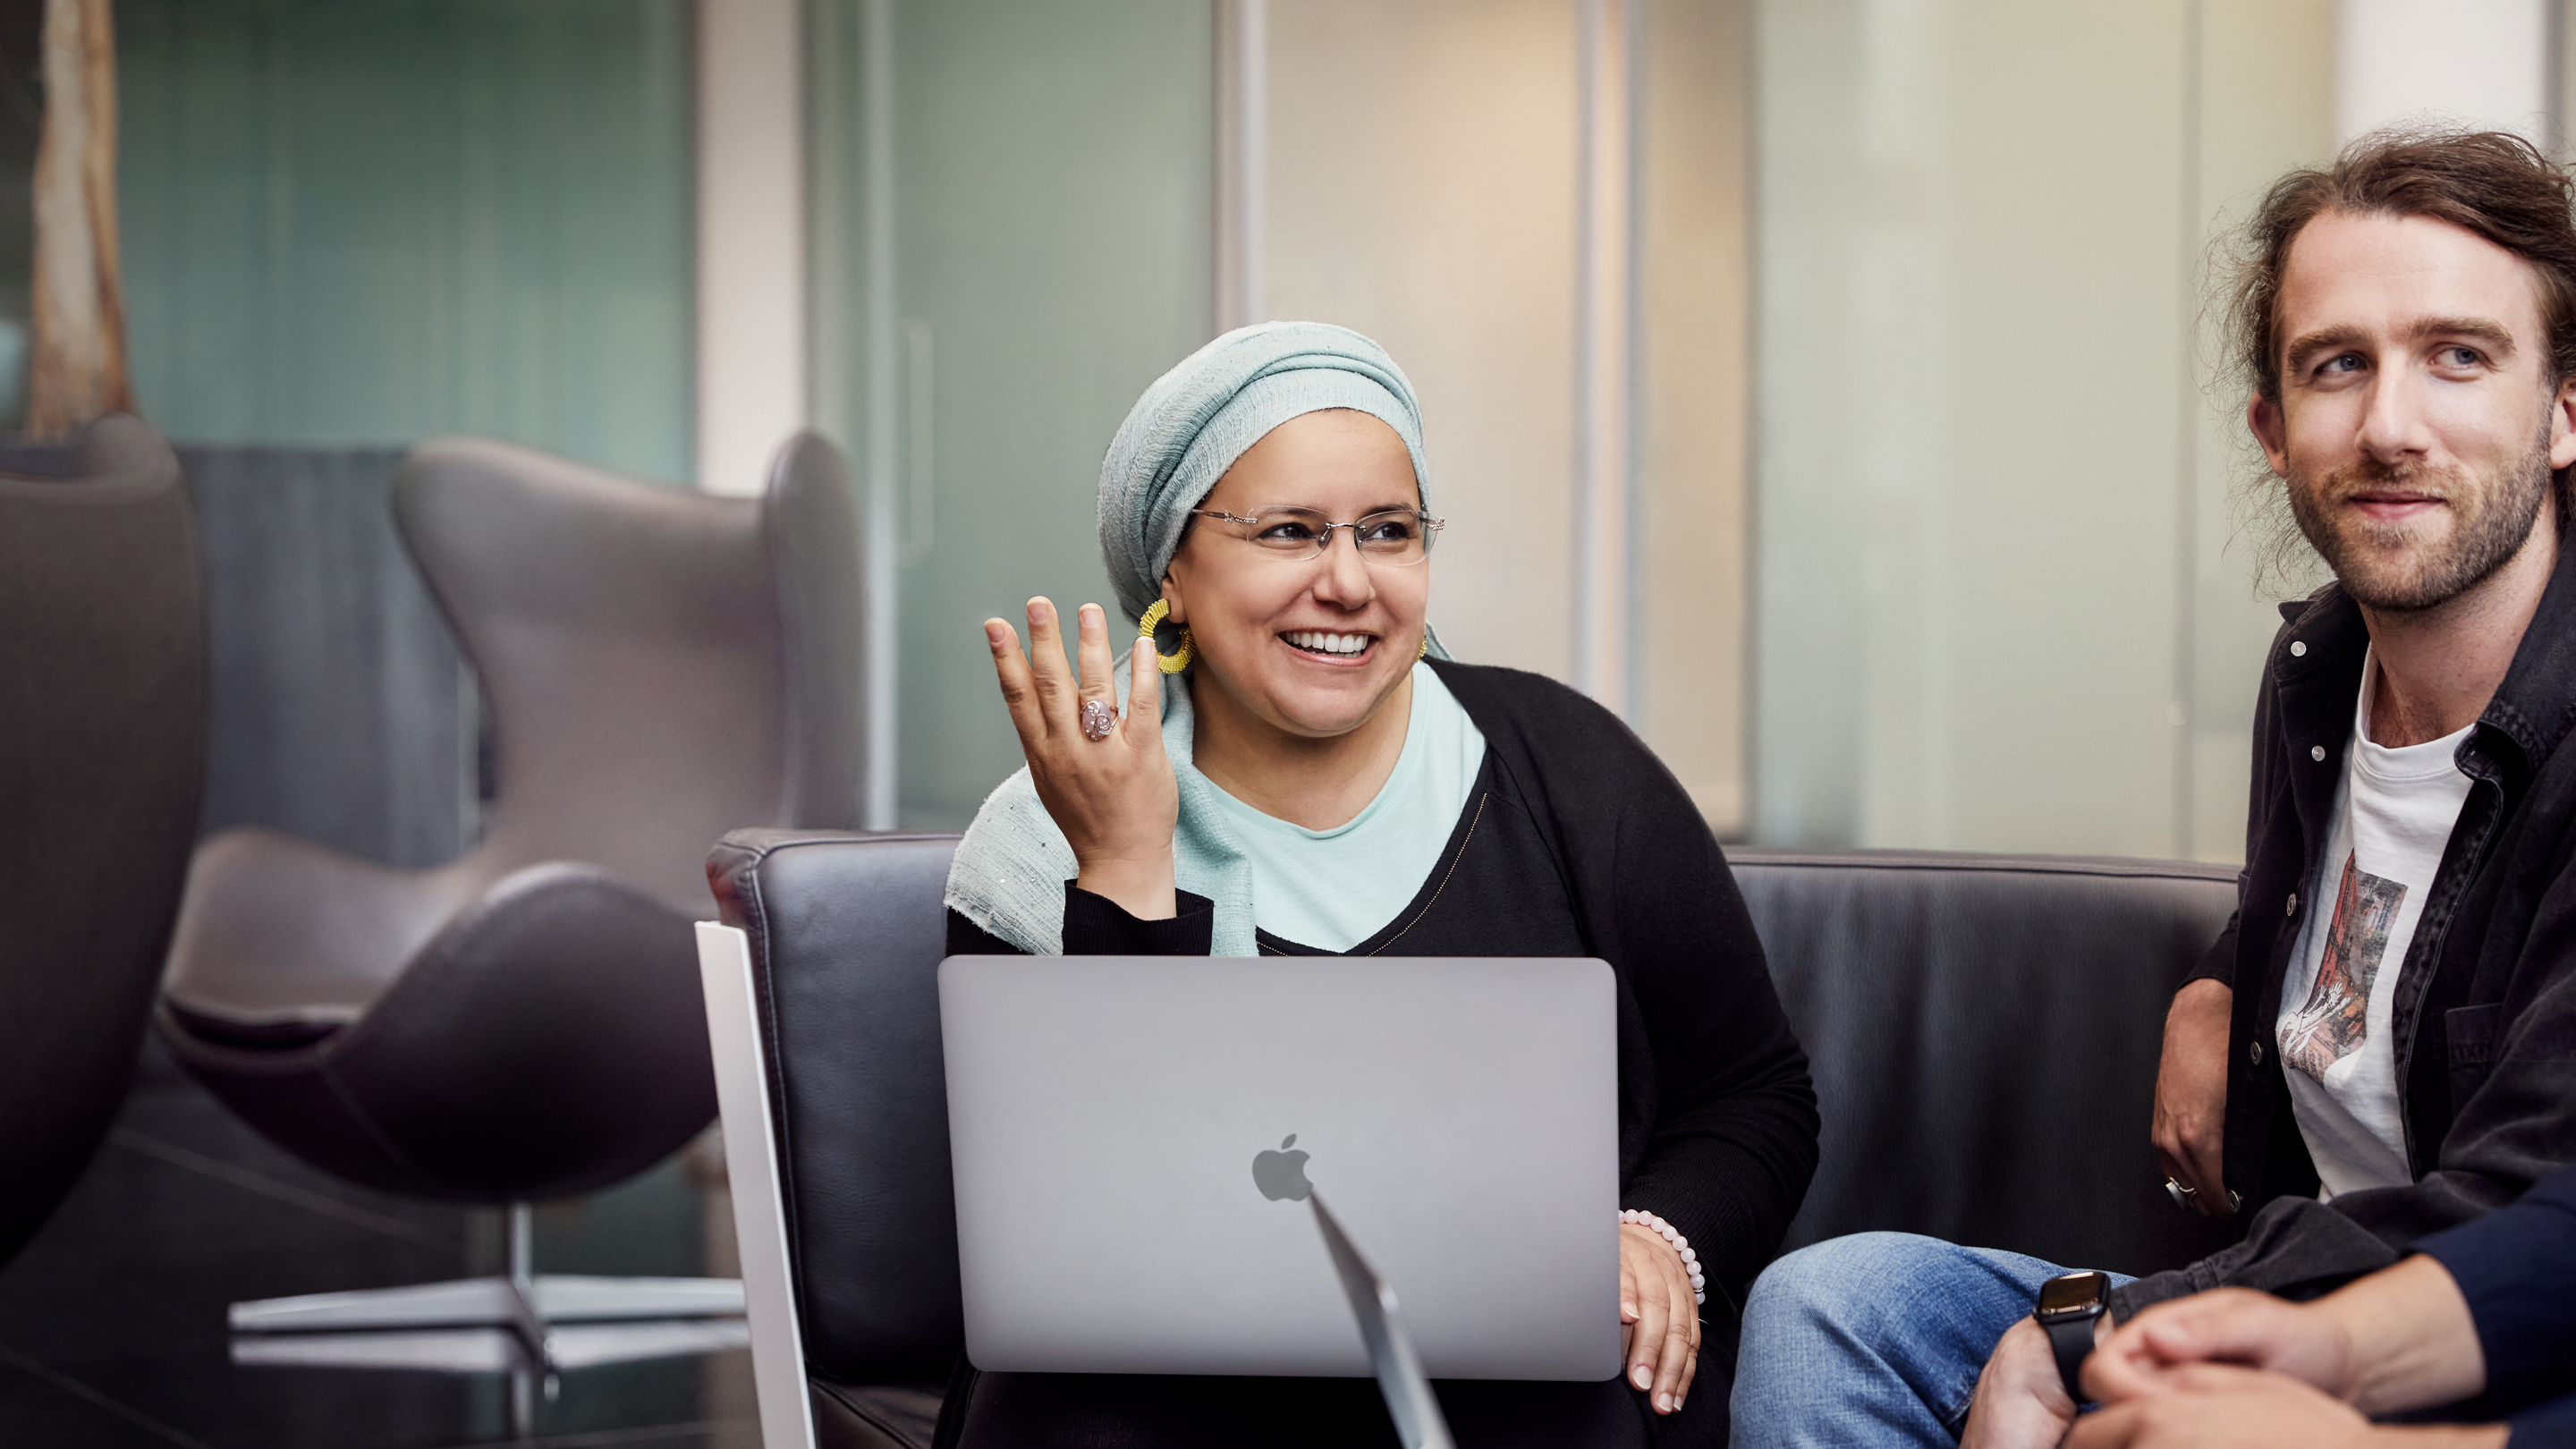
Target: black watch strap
(2073,1341)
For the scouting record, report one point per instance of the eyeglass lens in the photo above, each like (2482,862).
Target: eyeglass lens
(1394,536)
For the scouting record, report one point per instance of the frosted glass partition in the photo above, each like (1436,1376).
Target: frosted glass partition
(1998,606)
(1053,203)
(369,221)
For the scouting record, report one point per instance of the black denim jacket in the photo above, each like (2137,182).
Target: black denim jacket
(2485,1015)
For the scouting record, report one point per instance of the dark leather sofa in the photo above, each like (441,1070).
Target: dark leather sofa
(1984,1033)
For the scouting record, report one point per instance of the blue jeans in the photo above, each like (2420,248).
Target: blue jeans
(1876,1338)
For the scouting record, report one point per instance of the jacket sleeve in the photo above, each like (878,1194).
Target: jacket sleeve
(1095,925)
(2218,963)
(2517,1268)
(2550,1427)
(2298,1248)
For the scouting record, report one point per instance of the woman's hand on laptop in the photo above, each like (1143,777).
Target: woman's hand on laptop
(1112,794)
(1658,1318)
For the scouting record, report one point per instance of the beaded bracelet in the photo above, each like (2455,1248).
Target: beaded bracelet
(1681,1245)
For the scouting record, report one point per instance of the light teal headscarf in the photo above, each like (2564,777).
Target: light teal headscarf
(1178,440)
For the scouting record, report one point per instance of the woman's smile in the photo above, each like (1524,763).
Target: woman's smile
(1331,647)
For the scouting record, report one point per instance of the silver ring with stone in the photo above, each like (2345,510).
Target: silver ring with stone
(1099,717)
(2179,1193)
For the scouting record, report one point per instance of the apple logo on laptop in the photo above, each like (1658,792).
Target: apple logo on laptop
(1282,1174)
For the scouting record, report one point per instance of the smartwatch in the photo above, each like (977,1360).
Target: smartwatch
(2068,1306)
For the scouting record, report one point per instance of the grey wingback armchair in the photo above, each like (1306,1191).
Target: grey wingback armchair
(658,666)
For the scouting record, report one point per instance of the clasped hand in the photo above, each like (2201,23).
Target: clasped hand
(2021,1402)
(2234,1367)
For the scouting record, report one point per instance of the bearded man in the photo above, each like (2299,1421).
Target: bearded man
(2382,1044)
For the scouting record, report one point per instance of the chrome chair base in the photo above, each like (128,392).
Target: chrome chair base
(560,1320)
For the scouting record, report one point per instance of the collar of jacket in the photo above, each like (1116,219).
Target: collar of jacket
(2316,666)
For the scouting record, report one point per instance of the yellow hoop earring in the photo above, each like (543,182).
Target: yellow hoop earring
(1179,659)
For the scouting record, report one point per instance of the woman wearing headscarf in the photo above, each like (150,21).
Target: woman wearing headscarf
(1301,769)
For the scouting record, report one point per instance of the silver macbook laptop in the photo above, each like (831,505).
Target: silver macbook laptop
(1135,1138)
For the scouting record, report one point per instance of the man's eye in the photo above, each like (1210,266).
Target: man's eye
(2346,362)
(2460,356)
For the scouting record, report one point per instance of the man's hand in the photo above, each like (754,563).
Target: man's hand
(2219,1406)
(2191,1094)
(2021,1403)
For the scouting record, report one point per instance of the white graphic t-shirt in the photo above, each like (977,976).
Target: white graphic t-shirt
(2393,815)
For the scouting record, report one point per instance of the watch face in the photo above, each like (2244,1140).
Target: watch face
(2072,1293)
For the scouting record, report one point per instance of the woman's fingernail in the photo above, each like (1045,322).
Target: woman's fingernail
(1663,1403)
(1643,1379)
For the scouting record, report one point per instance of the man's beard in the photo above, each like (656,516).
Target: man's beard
(2492,521)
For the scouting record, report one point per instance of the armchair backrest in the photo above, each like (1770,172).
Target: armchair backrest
(102,777)
(658,665)
(846,932)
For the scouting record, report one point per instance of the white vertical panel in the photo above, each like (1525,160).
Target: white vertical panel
(1242,146)
(1605,565)
(750,239)
(882,794)
(2485,62)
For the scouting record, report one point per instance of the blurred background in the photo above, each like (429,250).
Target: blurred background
(1820,383)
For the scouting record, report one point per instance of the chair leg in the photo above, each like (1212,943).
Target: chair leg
(526,1303)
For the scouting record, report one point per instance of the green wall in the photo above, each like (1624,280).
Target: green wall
(372,221)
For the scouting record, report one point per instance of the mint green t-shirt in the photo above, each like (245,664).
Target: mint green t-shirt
(1332,889)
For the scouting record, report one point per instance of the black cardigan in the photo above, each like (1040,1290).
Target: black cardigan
(1577,841)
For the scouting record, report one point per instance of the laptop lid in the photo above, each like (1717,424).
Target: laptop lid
(1132,1137)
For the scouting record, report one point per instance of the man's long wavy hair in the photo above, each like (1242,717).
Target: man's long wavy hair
(2491,183)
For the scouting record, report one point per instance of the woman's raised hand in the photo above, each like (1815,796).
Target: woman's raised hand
(1113,797)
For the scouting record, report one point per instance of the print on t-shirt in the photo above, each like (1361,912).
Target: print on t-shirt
(2333,1022)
